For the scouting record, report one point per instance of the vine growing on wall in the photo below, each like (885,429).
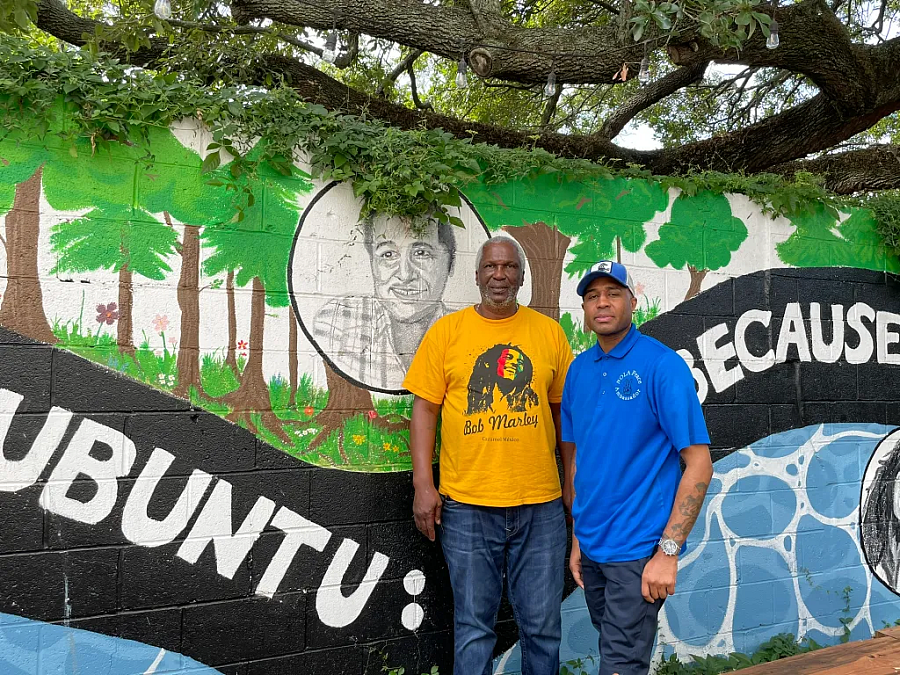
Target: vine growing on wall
(409,173)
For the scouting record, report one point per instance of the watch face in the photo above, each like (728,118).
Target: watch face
(669,546)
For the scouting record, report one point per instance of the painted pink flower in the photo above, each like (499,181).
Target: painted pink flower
(242,344)
(107,313)
(160,323)
(372,414)
(172,340)
(639,289)
(308,411)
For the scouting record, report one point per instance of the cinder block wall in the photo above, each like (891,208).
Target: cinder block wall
(205,458)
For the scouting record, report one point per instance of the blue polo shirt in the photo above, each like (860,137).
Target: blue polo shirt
(629,413)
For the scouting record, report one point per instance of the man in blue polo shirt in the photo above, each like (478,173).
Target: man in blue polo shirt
(630,408)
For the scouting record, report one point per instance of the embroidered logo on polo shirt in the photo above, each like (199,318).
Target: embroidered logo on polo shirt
(628,386)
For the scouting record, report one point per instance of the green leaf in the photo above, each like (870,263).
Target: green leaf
(211,163)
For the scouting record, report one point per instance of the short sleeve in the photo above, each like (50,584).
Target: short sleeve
(568,434)
(563,361)
(678,408)
(425,377)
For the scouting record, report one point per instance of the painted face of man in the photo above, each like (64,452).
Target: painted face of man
(409,269)
(500,275)
(608,307)
(510,364)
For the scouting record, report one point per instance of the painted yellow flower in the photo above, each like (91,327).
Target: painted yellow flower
(386,446)
(359,439)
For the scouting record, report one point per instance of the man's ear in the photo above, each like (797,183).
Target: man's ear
(633,302)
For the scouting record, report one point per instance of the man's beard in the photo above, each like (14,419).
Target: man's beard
(510,299)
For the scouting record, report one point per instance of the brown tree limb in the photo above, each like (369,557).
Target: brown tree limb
(812,126)
(404,64)
(414,91)
(521,54)
(876,167)
(649,95)
(550,107)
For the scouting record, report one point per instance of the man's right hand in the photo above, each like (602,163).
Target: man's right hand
(575,562)
(427,510)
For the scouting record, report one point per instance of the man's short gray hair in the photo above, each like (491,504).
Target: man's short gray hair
(503,239)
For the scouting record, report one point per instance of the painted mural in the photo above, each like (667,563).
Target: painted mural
(205,441)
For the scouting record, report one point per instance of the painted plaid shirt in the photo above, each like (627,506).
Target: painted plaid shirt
(355,333)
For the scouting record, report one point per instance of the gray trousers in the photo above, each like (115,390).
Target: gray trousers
(626,622)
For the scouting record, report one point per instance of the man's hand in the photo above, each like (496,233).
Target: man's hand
(427,510)
(658,580)
(575,562)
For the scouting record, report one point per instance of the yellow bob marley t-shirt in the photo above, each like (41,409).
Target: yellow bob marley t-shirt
(494,380)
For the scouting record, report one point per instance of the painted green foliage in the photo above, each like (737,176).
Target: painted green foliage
(596,212)
(259,245)
(619,208)
(820,240)
(702,233)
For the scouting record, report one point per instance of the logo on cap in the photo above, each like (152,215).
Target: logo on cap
(604,266)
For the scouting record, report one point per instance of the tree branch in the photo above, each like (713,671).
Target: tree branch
(550,108)
(874,168)
(488,16)
(649,95)
(248,30)
(413,89)
(612,9)
(398,70)
(585,54)
(812,126)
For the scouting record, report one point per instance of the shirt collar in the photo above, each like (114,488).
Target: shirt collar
(621,349)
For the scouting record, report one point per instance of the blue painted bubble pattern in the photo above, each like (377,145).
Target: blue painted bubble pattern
(30,647)
(776,549)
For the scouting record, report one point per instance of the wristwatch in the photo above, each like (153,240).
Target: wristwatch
(669,546)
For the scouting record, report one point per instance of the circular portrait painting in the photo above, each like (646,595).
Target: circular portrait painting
(365,290)
(879,509)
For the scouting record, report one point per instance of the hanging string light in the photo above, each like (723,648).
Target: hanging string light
(644,73)
(329,54)
(462,80)
(773,40)
(550,87)
(163,9)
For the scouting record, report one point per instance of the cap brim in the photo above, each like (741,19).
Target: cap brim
(590,278)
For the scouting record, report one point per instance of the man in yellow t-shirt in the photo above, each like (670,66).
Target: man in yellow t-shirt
(494,374)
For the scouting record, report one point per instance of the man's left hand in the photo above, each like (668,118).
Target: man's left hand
(658,580)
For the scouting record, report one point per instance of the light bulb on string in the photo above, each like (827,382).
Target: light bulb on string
(329,54)
(644,73)
(773,40)
(550,87)
(163,9)
(462,81)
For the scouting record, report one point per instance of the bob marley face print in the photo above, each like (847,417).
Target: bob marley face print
(507,369)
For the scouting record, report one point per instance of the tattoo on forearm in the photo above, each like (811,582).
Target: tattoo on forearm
(689,508)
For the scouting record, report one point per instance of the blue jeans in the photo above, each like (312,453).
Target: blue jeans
(528,544)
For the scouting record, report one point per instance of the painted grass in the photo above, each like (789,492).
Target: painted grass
(366,447)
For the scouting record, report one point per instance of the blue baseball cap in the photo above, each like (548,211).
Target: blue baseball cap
(606,268)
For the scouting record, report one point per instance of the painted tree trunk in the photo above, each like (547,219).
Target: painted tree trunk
(545,248)
(252,396)
(293,365)
(345,400)
(22,309)
(231,354)
(188,363)
(697,277)
(125,335)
